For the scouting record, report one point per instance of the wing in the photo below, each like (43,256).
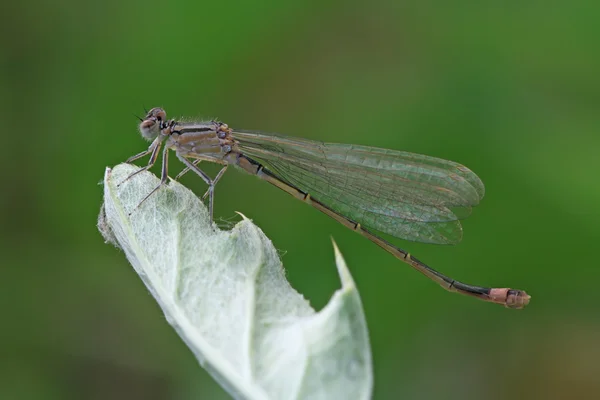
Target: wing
(409,196)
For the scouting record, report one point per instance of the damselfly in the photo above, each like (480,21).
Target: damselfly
(405,195)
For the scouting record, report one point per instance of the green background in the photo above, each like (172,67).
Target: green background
(511,90)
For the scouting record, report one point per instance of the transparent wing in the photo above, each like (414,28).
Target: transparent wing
(409,196)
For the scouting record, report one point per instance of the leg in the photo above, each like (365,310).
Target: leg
(211,192)
(163,178)
(214,183)
(154,148)
(186,170)
(211,183)
(140,155)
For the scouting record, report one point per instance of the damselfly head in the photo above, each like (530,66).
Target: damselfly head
(151,126)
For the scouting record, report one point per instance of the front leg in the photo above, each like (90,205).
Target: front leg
(154,148)
(164,175)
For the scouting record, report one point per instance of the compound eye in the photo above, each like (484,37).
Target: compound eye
(151,125)
(157,113)
(149,128)
(147,124)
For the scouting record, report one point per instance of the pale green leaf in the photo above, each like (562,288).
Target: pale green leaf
(226,295)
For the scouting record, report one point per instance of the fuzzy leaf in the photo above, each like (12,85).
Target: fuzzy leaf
(226,295)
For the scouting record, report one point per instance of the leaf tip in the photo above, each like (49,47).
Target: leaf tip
(343,272)
(242,215)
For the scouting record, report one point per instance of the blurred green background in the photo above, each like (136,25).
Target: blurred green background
(511,90)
